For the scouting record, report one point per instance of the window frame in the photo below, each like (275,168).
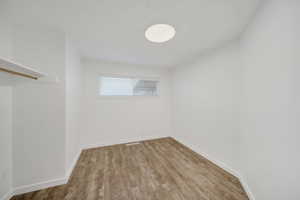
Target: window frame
(150,78)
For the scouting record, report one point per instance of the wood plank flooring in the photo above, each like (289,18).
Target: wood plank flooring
(161,169)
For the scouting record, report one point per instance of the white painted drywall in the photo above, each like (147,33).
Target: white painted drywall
(39,109)
(5,32)
(74,91)
(5,140)
(270,106)
(205,111)
(123,119)
(5,108)
(240,105)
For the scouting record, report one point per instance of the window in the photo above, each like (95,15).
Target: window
(122,86)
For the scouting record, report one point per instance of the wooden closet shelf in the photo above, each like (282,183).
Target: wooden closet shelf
(16,69)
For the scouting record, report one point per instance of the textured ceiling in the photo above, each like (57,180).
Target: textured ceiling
(113,30)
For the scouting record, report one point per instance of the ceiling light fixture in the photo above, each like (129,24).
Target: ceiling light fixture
(160,33)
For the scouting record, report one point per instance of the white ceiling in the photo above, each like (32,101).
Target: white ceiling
(113,30)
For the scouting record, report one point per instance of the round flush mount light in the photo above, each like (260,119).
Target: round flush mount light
(160,33)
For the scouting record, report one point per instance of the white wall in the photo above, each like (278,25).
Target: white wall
(5,108)
(5,140)
(270,106)
(239,105)
(74,90)
(124,119)
(5,31)
(206,96)
(39,109)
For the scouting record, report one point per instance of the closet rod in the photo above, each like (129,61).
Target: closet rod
(18,73)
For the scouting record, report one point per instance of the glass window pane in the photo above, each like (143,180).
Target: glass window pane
(112,86)
(145,88)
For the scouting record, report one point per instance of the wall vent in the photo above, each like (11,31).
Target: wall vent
(132,144)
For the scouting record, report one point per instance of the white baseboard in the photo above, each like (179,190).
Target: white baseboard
(52,183)
(246,187)
(97,145)
(70,170)
(7,196)
(47,184)
(62,181)
(221,165)
(39,186)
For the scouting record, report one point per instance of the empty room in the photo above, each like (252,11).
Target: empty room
(149,100)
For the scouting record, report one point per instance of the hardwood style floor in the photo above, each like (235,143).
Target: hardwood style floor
(161,169)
